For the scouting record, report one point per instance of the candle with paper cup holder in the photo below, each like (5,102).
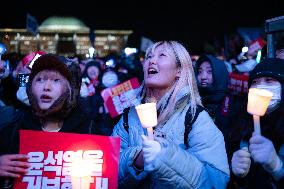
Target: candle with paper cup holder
(258,101)
(80,174)
(147,114)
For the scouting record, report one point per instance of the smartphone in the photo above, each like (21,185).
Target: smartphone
(23,80)
(86,80)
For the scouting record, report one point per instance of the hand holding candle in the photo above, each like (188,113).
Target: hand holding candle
(258,101)
(147,114)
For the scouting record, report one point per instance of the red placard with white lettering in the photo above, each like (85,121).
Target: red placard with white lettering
(121,96)
(52,154)
(256,45)
(238,84)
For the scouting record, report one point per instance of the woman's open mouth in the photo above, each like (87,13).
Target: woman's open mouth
(152,71)
(45,98)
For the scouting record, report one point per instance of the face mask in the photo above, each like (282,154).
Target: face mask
(110,79)
(276,97)
(22,96)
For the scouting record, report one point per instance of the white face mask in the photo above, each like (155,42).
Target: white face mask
(276,98)
(22,95)
(110,79)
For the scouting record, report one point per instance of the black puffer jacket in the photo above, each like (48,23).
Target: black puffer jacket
(76,122)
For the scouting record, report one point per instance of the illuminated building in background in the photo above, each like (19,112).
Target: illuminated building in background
(67,36)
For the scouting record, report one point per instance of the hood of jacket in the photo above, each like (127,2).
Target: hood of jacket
(218,90)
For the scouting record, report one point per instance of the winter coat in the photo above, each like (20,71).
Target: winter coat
(203,165)
(272,129)
(216,99)
(76,122)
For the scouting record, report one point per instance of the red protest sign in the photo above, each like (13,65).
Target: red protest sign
(121,96)
(52,157)
(238,84)
(256,45)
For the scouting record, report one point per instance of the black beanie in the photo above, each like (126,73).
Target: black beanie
(270,67)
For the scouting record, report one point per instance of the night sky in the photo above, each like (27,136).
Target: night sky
(189,21)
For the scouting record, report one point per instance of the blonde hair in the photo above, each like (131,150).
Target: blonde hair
(166,105)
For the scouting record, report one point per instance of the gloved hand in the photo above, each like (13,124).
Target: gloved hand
(13,165)
(263,151)
(241,162)
(22,95)
(150,150)
(84,91)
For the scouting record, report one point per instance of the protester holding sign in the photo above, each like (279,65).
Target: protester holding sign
(174,159)
(53,89)
(257,159)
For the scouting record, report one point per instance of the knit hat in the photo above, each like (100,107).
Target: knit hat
(69,70)
(270,67)
(28,58)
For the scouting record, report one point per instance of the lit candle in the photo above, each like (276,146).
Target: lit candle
(258,101)
(147,114)
(80,175)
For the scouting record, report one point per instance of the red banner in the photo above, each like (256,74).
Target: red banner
(238,84)
(121,96)
(53,155)
(256,45)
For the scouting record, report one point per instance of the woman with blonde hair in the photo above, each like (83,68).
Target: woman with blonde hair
(188,150)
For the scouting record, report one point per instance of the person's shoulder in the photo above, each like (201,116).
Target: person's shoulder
(204,122)
(9,114)
(202,114)
(77,112)
(10,120)
(77,121)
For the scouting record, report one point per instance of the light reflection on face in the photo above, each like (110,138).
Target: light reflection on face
(160,68)
(47,87)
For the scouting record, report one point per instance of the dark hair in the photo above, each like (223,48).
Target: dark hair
(92,63)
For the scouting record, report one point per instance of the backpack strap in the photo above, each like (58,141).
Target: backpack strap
(188,121)
(125,119)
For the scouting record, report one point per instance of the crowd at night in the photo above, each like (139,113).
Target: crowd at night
(142,95)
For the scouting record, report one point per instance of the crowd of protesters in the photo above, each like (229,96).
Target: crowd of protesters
(204,137)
